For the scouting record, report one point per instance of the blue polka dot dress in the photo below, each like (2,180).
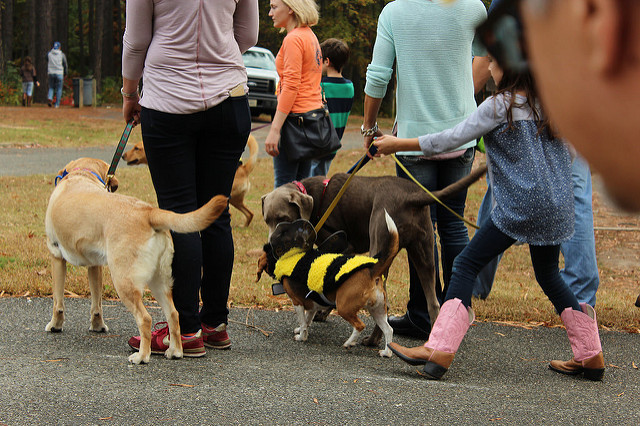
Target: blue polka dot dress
(530,173)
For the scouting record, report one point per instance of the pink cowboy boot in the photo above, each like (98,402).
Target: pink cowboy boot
(446,335)
(582,329)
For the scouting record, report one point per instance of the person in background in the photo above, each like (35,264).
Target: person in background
(195,121)
(299,65)
(56,70)
(431,44)
(581,267)
(29,79)
(530,172)
(337,91)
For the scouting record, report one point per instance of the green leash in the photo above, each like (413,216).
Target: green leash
(118,154)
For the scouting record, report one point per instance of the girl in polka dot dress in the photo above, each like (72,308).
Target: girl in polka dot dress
(530,174)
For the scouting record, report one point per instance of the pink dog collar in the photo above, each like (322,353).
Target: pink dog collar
(300,186)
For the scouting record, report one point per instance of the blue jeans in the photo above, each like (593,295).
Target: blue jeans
(55,84)
(581,267)
(27,88)
(193,157)
(285,171)
(452,231)
(486,244)
(320,167)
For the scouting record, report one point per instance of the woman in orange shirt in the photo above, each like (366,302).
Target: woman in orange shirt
(299,64)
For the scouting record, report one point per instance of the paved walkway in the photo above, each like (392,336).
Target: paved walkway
(499,376)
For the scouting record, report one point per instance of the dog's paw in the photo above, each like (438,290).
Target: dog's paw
(301,337)
(53,328)
(173,353)
(137,358)
(385,353)
(349,344)
(99,328)
(372,340)
(296,330)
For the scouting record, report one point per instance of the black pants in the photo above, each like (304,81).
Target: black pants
(193,157)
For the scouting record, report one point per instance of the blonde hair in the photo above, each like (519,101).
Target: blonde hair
(306,11)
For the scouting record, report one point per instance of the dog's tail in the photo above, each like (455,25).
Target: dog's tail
(253,154)
(422,198)
(386,256)
(193,221)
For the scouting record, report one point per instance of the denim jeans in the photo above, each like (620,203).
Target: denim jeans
(285,171)
(55,85)
(193,157)
(452,231)
(486,244)
(320,167)
(581,267)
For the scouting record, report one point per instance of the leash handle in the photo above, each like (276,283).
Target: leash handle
(404,169)
(119,150)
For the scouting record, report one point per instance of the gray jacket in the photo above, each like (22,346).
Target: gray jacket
(56,62)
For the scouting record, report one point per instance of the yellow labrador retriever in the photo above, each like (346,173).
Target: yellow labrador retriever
(88,226)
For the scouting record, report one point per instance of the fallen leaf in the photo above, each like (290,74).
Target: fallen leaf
(495,419)
(633,364)
(105,418)
(56,360)
(315,400)
(620,394)
(181,385)
(41,272)
(500,334)
(613,366)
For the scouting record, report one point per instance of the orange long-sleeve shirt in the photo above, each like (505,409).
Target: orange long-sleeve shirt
(299,64)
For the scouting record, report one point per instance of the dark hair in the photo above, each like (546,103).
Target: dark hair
(27,64)
(336,51)
(523,81)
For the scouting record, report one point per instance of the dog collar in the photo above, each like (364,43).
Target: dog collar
(300,186)
(65,173)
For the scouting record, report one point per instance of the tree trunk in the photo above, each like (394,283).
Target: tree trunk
(7,30)
(81,56)
(90,35)
(61,33)
(107,42)
(44,43)
(99,39)
(31,7)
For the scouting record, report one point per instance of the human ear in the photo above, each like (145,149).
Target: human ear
(604,24)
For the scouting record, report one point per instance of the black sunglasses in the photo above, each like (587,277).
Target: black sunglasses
(502,35)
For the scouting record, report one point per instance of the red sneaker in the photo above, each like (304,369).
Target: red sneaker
(191,346)
(216,338)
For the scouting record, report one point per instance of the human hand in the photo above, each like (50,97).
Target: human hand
(271,143)
(131,109)
(368,141)
(37,83)
(386,144)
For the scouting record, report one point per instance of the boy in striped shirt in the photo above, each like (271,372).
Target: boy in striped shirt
(338,92)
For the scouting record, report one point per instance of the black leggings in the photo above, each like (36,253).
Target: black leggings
(193,157)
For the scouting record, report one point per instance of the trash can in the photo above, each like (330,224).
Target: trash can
(87,92)
(83,91)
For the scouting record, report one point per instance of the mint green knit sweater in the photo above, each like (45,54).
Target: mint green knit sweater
(431,40)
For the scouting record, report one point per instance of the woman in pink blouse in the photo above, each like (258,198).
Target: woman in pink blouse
(195,122)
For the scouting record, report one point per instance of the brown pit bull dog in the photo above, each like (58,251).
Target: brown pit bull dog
(314,279)
(241,184)
(360,213)
(88,226)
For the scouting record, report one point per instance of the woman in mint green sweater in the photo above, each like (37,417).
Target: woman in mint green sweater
(431,43)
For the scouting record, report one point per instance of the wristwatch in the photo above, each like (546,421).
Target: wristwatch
(369,132)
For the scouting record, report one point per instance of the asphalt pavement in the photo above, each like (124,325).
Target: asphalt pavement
(77,377)
(499,376)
